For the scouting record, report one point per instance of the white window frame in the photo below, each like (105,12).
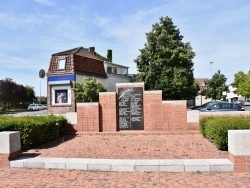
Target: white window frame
(57,88)
(61,64)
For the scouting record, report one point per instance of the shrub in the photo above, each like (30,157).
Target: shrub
(88,90)
(216,128)
(203,122)
(34,130)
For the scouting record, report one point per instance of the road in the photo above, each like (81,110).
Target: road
(31,113)
(247,108)
(44,112)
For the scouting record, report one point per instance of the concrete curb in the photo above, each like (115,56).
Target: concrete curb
(126,165)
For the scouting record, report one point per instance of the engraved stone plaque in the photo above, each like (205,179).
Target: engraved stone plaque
(130,105)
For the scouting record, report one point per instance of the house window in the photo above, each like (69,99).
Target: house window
(61,64)
(61,96)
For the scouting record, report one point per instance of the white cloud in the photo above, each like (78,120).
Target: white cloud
(12,62)
(46,2)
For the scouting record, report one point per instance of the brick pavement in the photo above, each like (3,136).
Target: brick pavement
(131,146)
(146,146)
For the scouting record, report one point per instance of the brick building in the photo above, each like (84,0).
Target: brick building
(72,65)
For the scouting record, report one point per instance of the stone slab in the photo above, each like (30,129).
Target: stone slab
(123,165)
(37,162)
(174,165)
(239,142)
(147,165)
(10,142)
(19,162)
(194,165)
(78,164)
(56,163)
(220,165)
(100,164)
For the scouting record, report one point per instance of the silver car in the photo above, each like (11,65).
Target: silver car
(33,107)
(246,103)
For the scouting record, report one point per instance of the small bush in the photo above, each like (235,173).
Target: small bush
(34,130)
(203,122)
(215,128)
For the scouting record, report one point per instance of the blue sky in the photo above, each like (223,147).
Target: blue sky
(32,30)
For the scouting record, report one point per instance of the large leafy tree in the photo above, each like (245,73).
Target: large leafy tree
(242,82)
(215,86)
(88,90)
(165,62)
(12,93)
(30,93)
(8,90)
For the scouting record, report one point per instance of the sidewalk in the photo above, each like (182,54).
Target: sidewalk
(124,146)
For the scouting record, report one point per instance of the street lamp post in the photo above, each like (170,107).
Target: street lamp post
(211,68)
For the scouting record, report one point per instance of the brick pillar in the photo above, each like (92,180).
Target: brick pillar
(87,117)
(108,112)
(239,149)
(174,115)
(153,111)
(10,147)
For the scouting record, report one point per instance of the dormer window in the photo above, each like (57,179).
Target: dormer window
(61,64)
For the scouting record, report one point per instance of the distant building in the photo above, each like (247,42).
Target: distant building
(231,94)
(71,66)
(201,99)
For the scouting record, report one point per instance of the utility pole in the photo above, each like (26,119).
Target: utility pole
(211,68)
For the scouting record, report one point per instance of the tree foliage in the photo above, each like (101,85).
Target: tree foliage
(215,86)
(165,62)
(12,93)
(242,82)
(88,90)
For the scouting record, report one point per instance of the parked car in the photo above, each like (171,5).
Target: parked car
(41,107)
(206,105)
(246,103)
(240,102)
(45,106)
(215,107)
(33,107)
(201,106)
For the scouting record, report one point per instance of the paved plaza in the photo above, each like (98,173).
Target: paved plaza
(124,145)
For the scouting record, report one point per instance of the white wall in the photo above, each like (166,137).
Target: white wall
(109,82)
(199,100)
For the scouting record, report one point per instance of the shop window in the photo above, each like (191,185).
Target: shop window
(61,96)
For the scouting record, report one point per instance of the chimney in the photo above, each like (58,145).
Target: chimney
(92,50)
(109,55)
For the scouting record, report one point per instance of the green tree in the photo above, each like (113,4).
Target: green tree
(165,62)
(215,86)
(88,90)
(7,92)
(242,82)
(30,93)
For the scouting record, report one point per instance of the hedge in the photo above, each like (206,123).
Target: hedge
(34,130)
(215,128)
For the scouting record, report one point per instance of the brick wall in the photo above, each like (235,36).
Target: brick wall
(241,163)
(5,158)
(174,115)
(87,117)
(158,115)
(108,113)
(153,114)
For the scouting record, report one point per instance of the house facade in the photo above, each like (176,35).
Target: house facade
(71,66)
(231,94)
(201,99)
